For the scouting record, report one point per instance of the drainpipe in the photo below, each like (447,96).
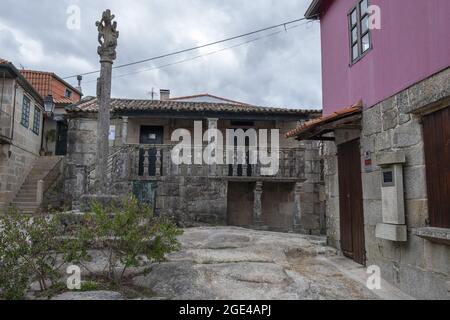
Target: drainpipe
(3,87)
(14,111)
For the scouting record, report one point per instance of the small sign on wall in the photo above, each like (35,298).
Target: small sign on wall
(368,162)
(112,133)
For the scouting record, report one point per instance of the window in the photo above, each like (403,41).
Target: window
(25,121)
(36,120)
(68,93)
(360,40)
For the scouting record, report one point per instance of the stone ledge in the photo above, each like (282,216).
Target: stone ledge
(391,232)
(390,158)
(437,235)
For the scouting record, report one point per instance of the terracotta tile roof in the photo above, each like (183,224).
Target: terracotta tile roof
(43,82)
(315,123)
(207,95)
(3,61)
(89,105)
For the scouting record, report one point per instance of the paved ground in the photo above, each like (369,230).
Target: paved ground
(235,263)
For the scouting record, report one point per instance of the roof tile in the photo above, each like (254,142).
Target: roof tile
(89,105)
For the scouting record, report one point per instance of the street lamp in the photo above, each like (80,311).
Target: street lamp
(49,105)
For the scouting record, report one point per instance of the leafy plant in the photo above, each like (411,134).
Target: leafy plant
(128,236)
(30,250)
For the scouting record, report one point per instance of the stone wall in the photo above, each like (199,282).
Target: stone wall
(16,158)
(418,267)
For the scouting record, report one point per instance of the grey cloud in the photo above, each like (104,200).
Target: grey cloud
(283,70)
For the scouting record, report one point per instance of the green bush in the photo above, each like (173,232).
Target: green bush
(29,251)
(127,234)
(34,248)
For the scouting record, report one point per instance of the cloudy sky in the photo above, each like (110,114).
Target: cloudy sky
(278,70)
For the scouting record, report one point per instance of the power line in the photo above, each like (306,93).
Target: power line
(284,24)
(202,55)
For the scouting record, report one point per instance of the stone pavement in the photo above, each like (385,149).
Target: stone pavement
(236,263)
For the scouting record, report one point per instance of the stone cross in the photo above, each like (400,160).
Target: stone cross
(107,38)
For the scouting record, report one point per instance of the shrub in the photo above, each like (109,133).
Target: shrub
(29,250)
(127,235)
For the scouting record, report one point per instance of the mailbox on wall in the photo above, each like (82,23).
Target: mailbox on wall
(393,226)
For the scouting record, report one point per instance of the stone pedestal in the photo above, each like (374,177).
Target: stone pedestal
(297,213)
(257,206)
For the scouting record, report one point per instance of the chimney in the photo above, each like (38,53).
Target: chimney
(79,78)
(164,94)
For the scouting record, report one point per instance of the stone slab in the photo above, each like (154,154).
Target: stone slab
(391,232)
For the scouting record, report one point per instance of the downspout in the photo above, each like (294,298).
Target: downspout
(14,111)
(3,87)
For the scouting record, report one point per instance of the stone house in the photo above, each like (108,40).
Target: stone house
(21,122)
(221,194)
(386,158)
(32,104)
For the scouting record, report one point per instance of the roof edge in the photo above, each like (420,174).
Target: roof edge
(313,11)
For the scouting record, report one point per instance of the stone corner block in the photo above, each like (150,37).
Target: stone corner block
(389,158)
(391,232)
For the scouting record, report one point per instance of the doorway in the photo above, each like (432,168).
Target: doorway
(149,135)
(351,202)
(436,134)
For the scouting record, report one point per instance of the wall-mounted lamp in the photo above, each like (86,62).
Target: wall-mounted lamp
(49,105)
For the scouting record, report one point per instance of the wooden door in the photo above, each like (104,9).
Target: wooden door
(61,139)
(350,201)
(436,132)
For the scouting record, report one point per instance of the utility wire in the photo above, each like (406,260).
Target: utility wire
(284,24)
(202,55)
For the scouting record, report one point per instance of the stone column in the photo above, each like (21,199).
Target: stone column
(124,130)
(107,37)
(297,214)
(212,138)
(257,204)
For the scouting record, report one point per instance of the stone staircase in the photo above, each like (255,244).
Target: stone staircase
(29,198)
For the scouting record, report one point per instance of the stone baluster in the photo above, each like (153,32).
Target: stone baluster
(158,161)
(287,163)
(146,162)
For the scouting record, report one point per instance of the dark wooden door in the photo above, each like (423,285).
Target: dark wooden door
(149,135)
(350,201)
(436,132)
(61,139)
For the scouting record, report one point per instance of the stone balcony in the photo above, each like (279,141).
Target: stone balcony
(151,162)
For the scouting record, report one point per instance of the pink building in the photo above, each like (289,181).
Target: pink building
(412,44)
(386,123)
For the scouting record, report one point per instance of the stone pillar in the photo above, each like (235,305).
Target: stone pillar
(297,214)
(124,130)
(107,37)
(212,138)
(257,204)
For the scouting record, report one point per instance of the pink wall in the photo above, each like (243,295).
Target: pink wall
(413,44)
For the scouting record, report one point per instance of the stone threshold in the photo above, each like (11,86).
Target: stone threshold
(437,235)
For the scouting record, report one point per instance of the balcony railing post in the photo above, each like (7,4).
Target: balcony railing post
(158,162)
(146,162)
